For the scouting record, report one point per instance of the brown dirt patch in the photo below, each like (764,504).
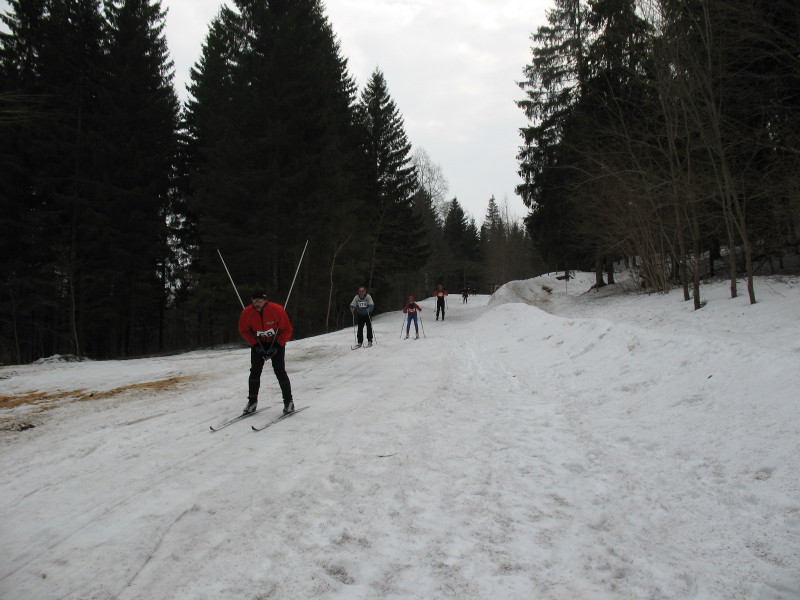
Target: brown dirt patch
(46,401)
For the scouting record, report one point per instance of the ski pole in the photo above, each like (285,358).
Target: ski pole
(421,325)
(355,337)
(374,337)
(402,326)
(291,287)
(231,278)
(238,296)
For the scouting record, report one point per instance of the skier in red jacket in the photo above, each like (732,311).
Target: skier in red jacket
(266,328)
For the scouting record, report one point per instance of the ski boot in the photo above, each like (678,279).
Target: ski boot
(252,403)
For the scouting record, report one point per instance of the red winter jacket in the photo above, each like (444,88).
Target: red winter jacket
(412,308)
(440,293)
(265,325)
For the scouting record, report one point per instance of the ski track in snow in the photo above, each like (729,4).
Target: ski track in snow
(552,445)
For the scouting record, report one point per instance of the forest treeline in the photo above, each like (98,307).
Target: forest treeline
(117,200)
(665,133)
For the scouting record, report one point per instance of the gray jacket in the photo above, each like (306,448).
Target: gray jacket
(362,304)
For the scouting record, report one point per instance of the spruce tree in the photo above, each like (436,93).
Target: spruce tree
(54,60)
(396,235)
(20,115)
(613,114)
(554,85)
(462,241)
(273,160)
(492,222)
(494,247)
(131,255)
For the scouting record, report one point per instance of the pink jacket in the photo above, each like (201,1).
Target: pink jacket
(412,308)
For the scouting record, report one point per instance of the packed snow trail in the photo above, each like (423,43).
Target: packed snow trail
(620,447)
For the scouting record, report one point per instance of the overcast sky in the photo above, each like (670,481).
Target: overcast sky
(451,67)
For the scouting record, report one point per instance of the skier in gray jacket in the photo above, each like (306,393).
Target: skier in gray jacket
(362,306)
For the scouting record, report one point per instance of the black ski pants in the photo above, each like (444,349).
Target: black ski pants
(278,366)
(440,306)
(364,319)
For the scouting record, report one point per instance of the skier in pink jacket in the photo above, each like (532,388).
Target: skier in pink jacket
(411,309)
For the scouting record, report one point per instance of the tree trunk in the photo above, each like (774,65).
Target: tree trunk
(610,270)
(682,249)
(598,273)
(336,251)
(696,261)
(731,254)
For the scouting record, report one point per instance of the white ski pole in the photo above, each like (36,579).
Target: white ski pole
(291,287)
(231,278)
(374,337)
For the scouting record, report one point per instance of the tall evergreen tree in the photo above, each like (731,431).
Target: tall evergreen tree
(492,221)
(211,127)
(615,101)
(554,85)
(273,158)
(20,112)
(462,241)
(396,236)
(506,250)
(141,112)
(54,58)
(97,181)
(494,247)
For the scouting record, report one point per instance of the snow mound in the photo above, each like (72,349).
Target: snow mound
(59,358)
(548,290)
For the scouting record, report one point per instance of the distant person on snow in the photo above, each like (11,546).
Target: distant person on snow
(440,295)
(411,309)
(266,328)
(362,306)
(465,295)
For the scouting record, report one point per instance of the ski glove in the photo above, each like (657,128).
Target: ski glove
(267,353)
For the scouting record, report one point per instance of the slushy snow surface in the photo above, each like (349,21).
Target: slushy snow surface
(547,442)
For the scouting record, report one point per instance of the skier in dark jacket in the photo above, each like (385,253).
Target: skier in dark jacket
(266,328)
(362,306)
(440,295)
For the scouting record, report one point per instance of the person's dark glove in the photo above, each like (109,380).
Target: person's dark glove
(266,353)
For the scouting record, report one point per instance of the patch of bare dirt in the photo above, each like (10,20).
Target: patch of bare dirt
(47,400)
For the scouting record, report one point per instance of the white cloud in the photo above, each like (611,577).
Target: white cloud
(451,66)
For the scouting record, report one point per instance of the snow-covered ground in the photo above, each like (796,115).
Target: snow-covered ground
(538,444)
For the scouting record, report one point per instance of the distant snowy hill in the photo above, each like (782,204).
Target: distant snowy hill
(548,442)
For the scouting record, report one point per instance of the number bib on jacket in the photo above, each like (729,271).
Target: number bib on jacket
(266,336)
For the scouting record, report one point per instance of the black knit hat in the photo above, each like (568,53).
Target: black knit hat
(259,293)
